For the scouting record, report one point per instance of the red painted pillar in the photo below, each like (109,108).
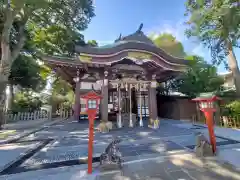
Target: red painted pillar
(210,124)
(91,117)
(90,147)
(77,105)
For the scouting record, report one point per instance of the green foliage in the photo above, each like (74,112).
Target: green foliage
(234,108)
(55,29)
(200,77)
(26,72)
(214,22)
(61,87)
(51,27)
(62,95)
(169,44)
(56,40)
(92,43)
(26,102)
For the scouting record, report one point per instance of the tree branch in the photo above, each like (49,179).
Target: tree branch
(21,38)
(17,48)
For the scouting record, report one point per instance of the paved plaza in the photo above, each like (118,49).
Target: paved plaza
(59,151)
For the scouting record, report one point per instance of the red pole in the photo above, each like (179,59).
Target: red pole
(210,124)
(90,146)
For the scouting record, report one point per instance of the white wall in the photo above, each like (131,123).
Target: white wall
(88,85)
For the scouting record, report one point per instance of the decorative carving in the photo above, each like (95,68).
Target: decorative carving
(85,58)
(128,67)
(139,55)
(153,84)
(154,77)
(105,73)
(77,78)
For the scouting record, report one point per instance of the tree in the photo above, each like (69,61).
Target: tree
(39,25)
(216,23)
(92,43)
(168,43)
(26,102)
(26,72)
(200,77)
(62,95)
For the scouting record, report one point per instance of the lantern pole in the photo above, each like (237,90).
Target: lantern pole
(90,144)
(207,108)
(92,102)
(210,125)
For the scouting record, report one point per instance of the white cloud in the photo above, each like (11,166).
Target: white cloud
(176,29)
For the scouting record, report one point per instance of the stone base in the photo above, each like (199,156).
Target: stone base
(108,167)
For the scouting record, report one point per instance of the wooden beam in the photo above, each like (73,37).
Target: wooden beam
(64,75)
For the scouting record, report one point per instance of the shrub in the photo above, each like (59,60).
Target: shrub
(234,108)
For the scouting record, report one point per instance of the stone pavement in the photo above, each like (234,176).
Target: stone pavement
(23,128)
(60,151)
(172,167)
(228,141)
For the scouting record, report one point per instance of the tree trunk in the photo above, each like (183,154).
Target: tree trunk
(3,85)
(233,65)
(10,98)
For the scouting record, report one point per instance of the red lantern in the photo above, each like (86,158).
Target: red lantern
(92,102)
(206,105)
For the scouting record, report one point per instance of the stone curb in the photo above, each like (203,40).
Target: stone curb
(22,135)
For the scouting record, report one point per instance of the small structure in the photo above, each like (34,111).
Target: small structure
(126,74)
(92,99)
(206,104)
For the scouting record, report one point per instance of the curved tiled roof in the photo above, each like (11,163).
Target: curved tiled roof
(136,41)
(130,45)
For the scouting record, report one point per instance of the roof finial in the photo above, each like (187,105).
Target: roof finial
(140,28)
(119,38)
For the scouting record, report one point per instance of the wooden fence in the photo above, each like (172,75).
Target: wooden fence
(224,121)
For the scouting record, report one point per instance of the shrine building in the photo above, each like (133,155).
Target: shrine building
(125,73)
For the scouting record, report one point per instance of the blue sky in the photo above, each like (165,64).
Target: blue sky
(124,16)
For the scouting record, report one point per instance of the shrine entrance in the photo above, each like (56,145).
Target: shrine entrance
(128,99)
(137,104)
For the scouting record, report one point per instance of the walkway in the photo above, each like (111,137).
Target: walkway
(60,151)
